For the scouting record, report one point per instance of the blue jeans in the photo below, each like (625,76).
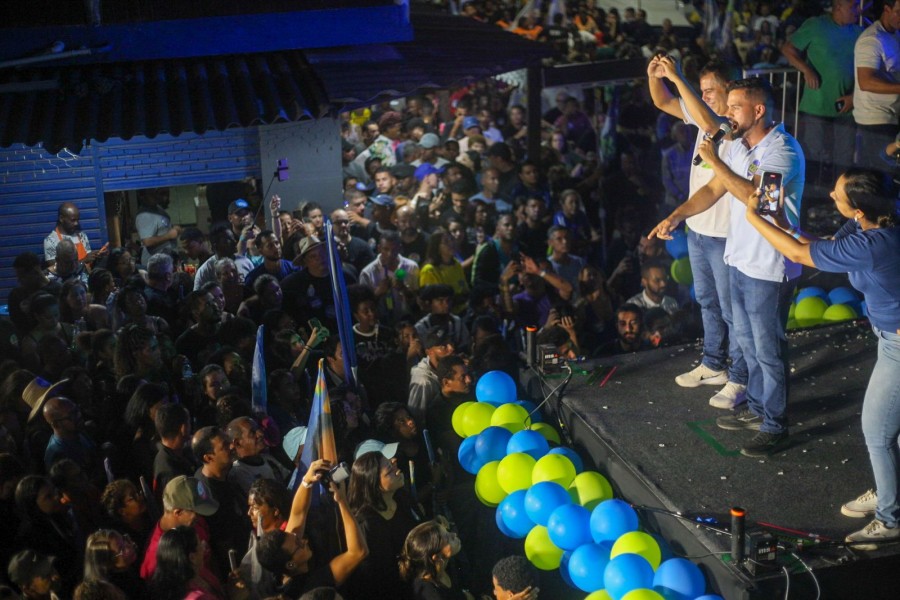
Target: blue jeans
(881,425)
(712,289)
(759,309)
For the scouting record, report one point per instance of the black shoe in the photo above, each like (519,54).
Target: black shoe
(739,421)
(764,444)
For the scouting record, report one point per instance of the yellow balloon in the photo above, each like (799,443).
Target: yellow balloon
(477,418)
(589,489)
(640,543)
(554,467)
(510,416)
(598,595)
(542,552)
(514,472)
(457,419)
(486,487)
(642,594)
(546,430)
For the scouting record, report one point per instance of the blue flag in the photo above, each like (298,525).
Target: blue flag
(341,307)
(260,402)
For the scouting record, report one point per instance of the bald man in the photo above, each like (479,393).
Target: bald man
(68,227)
(68,440)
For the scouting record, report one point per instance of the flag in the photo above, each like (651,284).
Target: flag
(260,402)
(320,433)
(341,307)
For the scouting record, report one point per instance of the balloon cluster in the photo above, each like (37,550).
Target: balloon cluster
(677,247)
(566,515)
(814,306)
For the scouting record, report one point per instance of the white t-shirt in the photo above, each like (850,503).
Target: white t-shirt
(880,50)
(745,248)
(715,220)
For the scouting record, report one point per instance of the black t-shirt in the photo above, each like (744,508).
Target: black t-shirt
(299,585)
(415,250)
(426,589)
(307,296)
(533,242)
(197,347)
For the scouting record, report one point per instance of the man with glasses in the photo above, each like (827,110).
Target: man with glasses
(353,250)
(68,439)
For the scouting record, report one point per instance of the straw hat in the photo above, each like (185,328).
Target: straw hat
(38,392)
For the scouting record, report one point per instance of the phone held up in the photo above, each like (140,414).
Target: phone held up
(772,196)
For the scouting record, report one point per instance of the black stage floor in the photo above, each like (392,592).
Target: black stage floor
(661,449)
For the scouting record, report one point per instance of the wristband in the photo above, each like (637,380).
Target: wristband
(305,484)
(543,273)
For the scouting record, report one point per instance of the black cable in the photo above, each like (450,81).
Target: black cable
(808,570)
(663,511)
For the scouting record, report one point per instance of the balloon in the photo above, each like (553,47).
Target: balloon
(569,527)
(811,291)
(681,271)
(599,595)
(864,309)
(679,576)
(708,597)
(468,458)
(642,594)
(510,416)
(457,418)
(792,324)
(677,247)
(498,518)
(528,441)
(512,512)
(531,408)
(664,549)
(589,489)
(792,311)
(612,518)
(546,430)
(490,444)
(640,543)
(564,568)
(496,387)
(542,499)
(625,573)
(809,311)
(586,566)
(571,455)
(477,418)
(554,467)
(514,472)
(843,295)
(541,551)
(839,312)
(489,491)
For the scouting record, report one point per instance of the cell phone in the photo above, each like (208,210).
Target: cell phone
(232,559)
(772,197)
(839,105)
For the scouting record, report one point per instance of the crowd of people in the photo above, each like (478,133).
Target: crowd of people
(130,451)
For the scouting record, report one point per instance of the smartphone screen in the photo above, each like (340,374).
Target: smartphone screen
(772,197)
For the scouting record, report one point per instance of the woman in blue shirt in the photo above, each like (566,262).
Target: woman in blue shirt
(867,247)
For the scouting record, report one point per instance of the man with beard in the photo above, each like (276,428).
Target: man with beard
(224,245)
(405,178)
(200,340)
(385,182)
(68,227)
(393,277)
(354,252)
(307,292)
(492,257)
(270,248)
(424,385)
(413,241)
(154,226)
(630,329)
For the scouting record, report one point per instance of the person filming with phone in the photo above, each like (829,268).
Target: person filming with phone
(760,277)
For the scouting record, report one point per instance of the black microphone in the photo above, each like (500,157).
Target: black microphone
(724,129)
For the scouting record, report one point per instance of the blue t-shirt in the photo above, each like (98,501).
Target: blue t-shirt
(872,259)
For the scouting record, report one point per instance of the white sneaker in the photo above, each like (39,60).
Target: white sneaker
(876,531)
(733,394)
(702,375)
(864,506)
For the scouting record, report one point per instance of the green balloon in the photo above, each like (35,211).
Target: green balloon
(547,430)
(477,418)
(598,595)
(641,594)
(792,324)
(514,472)
(839,312)
(487,489)
(681,271)
(457,419)
(589,489)
(510,416)
(640,543)
(809,311)
(542,552)
(792,311)
(553,467)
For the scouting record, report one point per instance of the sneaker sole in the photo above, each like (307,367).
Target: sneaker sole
(749,427)
(726,404)
(717,380)
(856,514)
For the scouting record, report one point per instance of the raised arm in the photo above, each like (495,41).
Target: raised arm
(696,107)
(795,249)
(343,564)
(662,98)
(303,498)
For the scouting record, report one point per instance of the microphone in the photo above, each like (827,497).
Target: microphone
(724,129)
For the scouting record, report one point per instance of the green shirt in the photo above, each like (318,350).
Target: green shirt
(829,50)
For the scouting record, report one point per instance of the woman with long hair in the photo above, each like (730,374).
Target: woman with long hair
(179,573)
(137,440)
(101,285)
(394,424)
(867,247)
(131,306)
(76,307)
(423,563)
(137,353)
(112,556)
(44,310)
(442,266)
(126,511)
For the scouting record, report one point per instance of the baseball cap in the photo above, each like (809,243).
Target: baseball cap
(436,336)
(469,122)
(189,493)
(426,169)
(28,564)
(500,150)
(383,200)
(237,205)
(292,441)
(403,170)
(387,450)
(430,140)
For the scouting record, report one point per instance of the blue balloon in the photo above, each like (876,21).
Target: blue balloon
(543,498)
(843,295)
(502,526)
(530,442)
(587,565)
(812,291)
(490,444)
(709,597)
(611,519)
(693,293)
(571,455)
(468,458)
(564,568)
(677,247)
(569,526)
(680,579)
(515,517)
(665,552)
(531,407)
(627,572)
(496,387)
